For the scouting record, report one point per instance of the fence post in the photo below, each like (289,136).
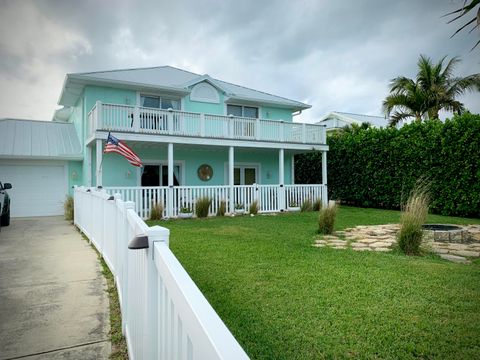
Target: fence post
(150,348)
(128,205)
(136,119)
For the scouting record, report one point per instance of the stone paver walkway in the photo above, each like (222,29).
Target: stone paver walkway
(382,238)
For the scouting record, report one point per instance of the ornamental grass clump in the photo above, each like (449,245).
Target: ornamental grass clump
(222,208)
(68,207)
(203,205)
(306,206)
(254,208)
(156,213)
(414,215)
(326,219)
(317,205)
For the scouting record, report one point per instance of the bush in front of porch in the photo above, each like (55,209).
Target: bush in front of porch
(284,299)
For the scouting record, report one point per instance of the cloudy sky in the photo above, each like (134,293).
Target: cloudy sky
(334,55)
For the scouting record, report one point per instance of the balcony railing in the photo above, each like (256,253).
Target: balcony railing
(135,119)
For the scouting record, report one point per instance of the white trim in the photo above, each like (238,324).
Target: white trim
(181,163)
(292,174)
(256,166)
(155,138)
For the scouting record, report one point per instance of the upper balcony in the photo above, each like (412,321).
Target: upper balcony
(141,120)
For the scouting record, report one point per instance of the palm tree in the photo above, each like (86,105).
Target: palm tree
(434,89)
(464,10)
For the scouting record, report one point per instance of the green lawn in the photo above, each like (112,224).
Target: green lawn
(284,299)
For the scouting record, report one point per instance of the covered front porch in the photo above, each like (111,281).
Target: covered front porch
(176,175)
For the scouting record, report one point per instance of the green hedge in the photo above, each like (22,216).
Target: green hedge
(376,167)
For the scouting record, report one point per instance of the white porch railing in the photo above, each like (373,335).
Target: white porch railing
(269,197)
(164,314)
(127,118)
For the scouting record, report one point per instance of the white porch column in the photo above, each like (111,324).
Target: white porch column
(170,181)
(324,179)
(89,165)
(231,165)
(293,169)
(98,160)
(281,179)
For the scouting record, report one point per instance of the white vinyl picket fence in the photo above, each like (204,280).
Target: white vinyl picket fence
(164,314)
(270,198)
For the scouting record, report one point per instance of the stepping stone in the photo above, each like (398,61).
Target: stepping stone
(454,258)
(329,237)
(465,253)
(358,245)
(338,247)
(380,244)
(361,249)
(457,246)
(320,242)
(381,249)
(368,241)
(337,242)
(440,251)
(318,245)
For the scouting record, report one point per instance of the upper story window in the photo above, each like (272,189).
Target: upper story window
(205,92)
(242,111)
(158,102)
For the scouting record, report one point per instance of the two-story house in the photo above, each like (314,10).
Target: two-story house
(196,136)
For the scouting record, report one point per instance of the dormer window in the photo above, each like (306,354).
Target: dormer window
(242,111)
(158,102)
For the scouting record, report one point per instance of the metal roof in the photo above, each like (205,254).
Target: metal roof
(376,121)
(32,139)
(166,78)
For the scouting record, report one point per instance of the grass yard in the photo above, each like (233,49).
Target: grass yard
(284,299)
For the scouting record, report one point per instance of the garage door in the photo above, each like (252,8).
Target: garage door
(38,190)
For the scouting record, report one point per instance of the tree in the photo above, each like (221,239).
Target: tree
(464,10)
(435,88)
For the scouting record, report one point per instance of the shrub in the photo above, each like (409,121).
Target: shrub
(68,207)
(203,205)
(186,209)
(254,207)
(414,215)
(222,208)
(156,213)
(370,167)
(317,205)
(306,206)
(326,219)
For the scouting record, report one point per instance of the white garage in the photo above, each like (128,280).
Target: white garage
(33,158)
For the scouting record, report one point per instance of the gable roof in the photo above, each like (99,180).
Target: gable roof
(34,139)
(376,121)
(169,79)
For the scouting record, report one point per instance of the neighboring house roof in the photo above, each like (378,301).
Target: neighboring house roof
(34,139)
(376,121)
(169,79)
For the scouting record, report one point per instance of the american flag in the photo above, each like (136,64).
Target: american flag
(119,147)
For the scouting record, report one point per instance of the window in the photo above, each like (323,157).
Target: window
(157,175)
(242,111)
(245,175)
(158,102)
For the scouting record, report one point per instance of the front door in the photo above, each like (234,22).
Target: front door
(157,175)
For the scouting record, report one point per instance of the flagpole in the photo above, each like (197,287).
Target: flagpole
(101,162)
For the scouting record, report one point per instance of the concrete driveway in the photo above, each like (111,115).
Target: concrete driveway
(53,303)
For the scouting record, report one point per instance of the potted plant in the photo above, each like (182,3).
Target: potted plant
(239,209)
(185,212)
(293,206)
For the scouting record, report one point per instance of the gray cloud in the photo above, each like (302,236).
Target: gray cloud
(333,55)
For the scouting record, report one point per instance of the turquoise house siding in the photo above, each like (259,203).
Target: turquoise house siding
(75,175)
(108,95)
(202,107)
(275,113)
(118,172)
